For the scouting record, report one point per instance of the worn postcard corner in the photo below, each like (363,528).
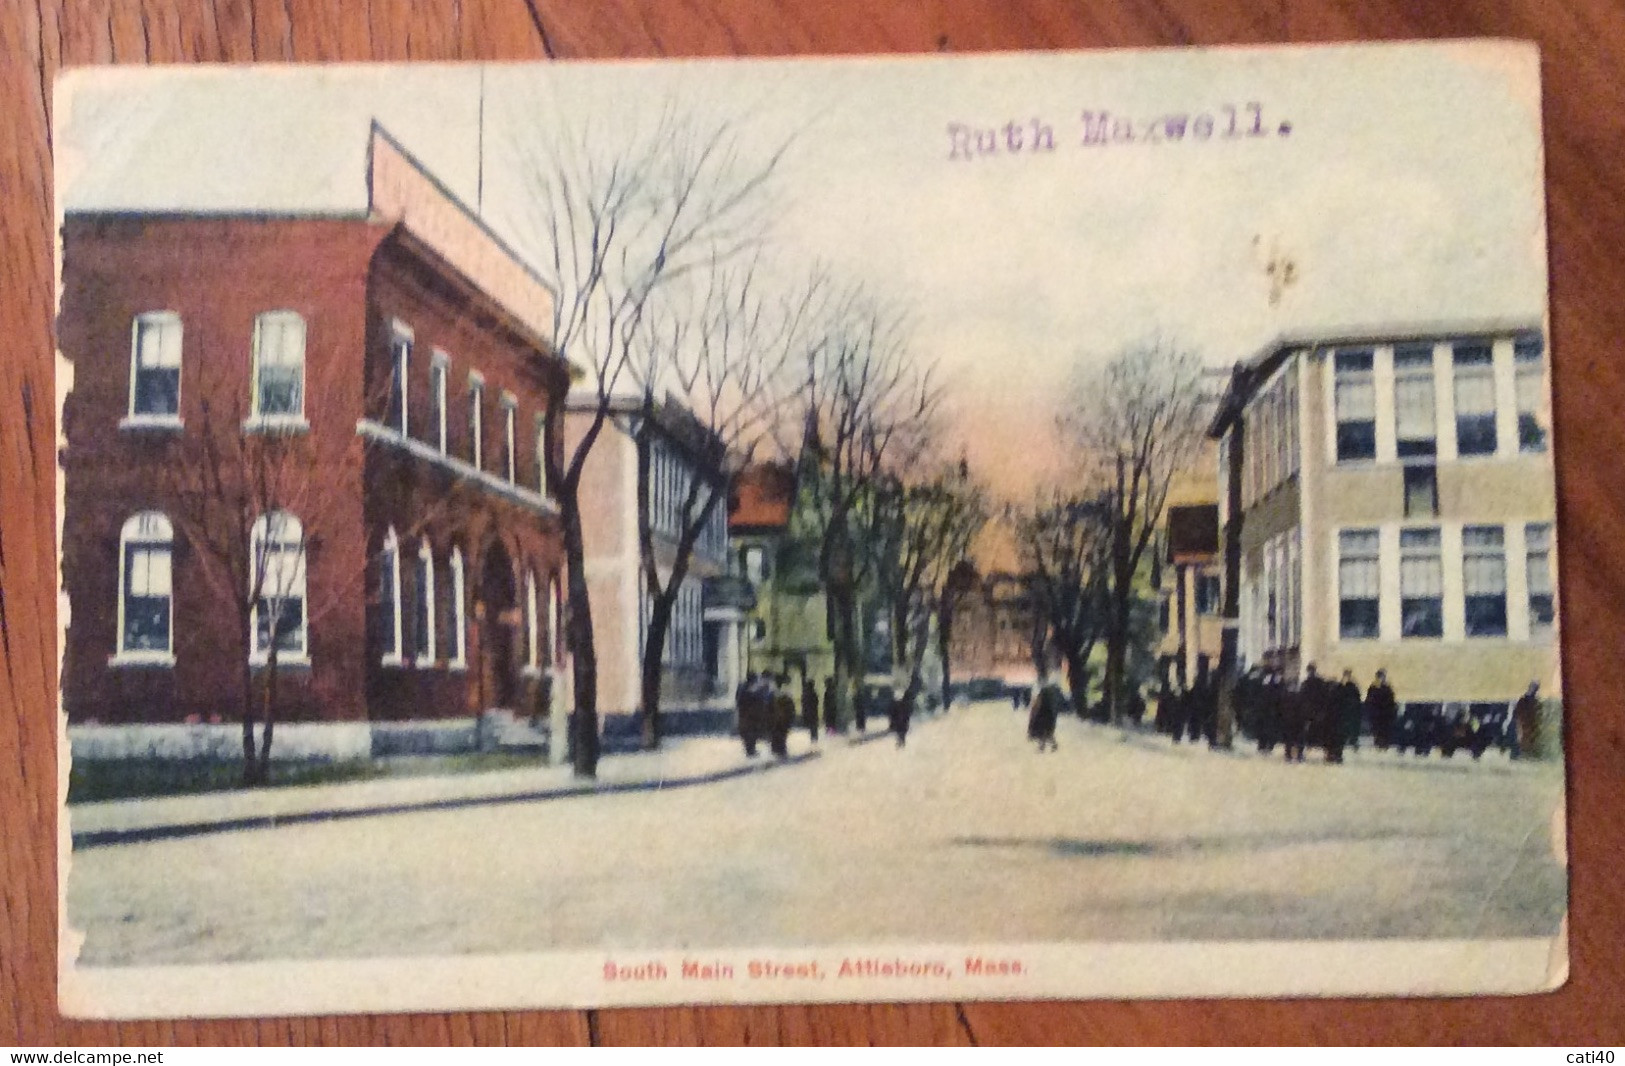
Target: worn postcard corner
(968,527)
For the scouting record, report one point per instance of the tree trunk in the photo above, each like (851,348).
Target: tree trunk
(1077,678)
(269,714)
(945,622)
(250,759)
(652,669)
(583,653)
(840,604)
(1117,653)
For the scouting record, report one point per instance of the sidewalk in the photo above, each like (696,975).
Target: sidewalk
(681,762)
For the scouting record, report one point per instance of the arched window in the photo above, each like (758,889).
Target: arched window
(155,367)
(146,588)
(389,599)
(277,583)
(552,644)
(533,656)
(423,635)
(458,650)
(279,367)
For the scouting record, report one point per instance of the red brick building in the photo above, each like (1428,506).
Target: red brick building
(338,419)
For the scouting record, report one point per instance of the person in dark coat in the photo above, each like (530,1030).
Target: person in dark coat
(783,716)
(748,704)
(1319,725)
(1294,721)
(1268,715)
(898,715)
(1346,701)
(809,707)
(1382,710)
(1045,711)
(1525,733)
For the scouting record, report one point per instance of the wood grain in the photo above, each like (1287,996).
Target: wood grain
(1583,44)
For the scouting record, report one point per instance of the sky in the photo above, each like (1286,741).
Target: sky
(1403,183)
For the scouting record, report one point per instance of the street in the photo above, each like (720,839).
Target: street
(966,835)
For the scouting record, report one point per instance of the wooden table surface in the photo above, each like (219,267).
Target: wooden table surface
(1582,43)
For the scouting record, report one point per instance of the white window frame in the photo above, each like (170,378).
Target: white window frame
(423,615)
(439,377)
(533,643)
(162,532)
(258,418)
(476,420)
(162,321)
(400,370)
(510,437)
(458,660)
(261,573)
(391,552)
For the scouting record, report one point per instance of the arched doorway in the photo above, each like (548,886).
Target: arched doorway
(499,615)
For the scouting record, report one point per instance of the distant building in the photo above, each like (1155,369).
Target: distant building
(367,397)
(787,631)
(996,629)
(672,450)
(1387,502)
(1192,593)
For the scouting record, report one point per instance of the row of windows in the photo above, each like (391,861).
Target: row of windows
(277,586)
(685,639)
(1416,378)
(433,626)
(277,390)
(1422,587)
(398,417)
(1275,618)
(1271,453)
(671,478)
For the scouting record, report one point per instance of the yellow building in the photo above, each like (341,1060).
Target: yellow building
(1387,502)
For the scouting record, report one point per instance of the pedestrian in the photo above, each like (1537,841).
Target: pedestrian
(1179,705)
(1382,710)
(1525,732)
(746,704)
(1318,724)
(783,712)
(1041,719)
(1270,696)
(1346,700)
(809,707)
(900,711)
(1294,721)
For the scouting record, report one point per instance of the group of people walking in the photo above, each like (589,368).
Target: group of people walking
(767,711)
(1318,712)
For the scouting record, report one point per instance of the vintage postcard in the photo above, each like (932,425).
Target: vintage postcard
(950,527)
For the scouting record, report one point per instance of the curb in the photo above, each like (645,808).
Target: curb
(106,837)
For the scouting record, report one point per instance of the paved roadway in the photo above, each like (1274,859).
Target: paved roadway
(966,835)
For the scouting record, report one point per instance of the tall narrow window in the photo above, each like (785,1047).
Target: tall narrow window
(551,645)
(155,366)
(438,371)
(533,640)
(456,636)
(1356,402)
(400,360)
(510,450)
(476,421)
(1529,374)
(1421,584)
(389,600)
(1484,580)
(279,366)
(1537,540)
(1415,417)
(423,603)
(1475,398)
(278,582)
(146,584)
(541,454)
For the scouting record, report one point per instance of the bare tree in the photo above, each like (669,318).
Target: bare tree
(1064,545)
(925,531)
(730,355)
(868,408)
(1136,423)
(615,219)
